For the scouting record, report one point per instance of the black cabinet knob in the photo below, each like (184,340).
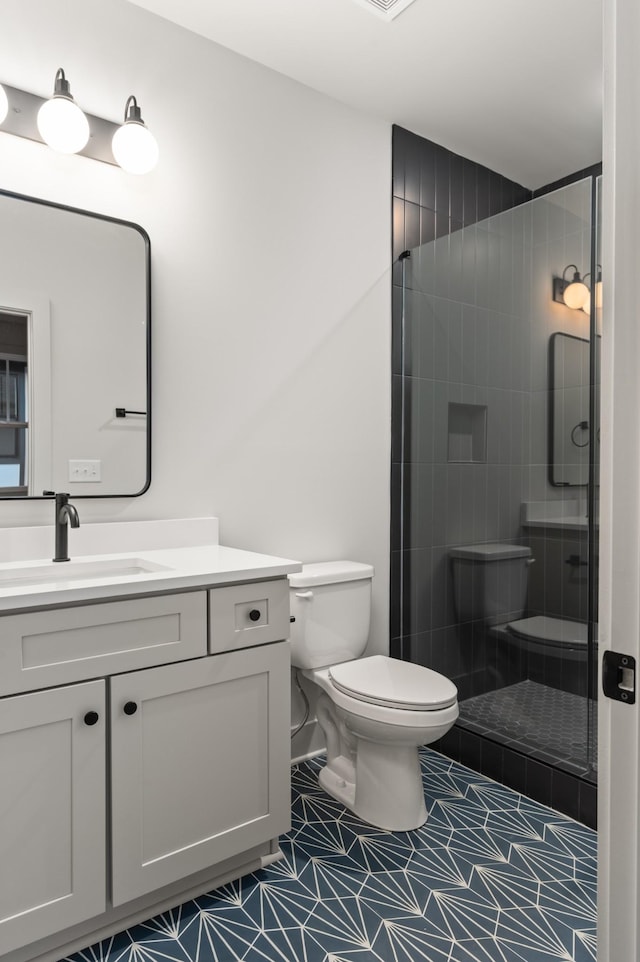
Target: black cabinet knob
(130,708)
(91,718)
(254,614)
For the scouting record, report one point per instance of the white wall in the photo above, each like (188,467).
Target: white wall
(269,218)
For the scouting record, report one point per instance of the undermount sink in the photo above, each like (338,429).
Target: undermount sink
(54,573)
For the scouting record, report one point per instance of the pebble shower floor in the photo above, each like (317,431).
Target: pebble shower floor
(491,877)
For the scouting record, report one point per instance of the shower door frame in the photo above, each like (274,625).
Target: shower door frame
(619,614)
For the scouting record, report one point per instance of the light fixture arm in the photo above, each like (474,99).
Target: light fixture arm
(132,113)
(576,275)
(61,86)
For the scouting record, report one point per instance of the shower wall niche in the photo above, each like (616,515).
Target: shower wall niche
(488,372)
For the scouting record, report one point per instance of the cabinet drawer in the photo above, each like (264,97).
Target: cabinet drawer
(45,648)
(251,614)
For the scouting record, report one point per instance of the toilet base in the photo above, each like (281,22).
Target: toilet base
(385,789)
(337,784)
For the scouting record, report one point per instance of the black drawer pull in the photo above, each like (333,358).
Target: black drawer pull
(254,614)
(130,708)
(91,718)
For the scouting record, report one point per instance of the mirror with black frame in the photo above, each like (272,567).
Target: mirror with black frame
(569,421)
(75,343)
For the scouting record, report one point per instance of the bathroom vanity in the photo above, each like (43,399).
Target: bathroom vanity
(144,737)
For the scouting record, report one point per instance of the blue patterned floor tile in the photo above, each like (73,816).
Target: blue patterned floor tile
(491,877)
(585,945)
(466,915)
(505,886)
(531,929)
(438,867)
(543,863)
(412,940)
(570,903)
(287,945)
(477,845)
(341,925)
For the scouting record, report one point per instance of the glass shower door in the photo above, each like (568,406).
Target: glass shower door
(488,360)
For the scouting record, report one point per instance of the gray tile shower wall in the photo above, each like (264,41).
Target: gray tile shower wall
(460,358)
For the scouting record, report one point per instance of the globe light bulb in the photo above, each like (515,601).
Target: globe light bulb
(61,123)
(4,104)
(576,293)
(134,147)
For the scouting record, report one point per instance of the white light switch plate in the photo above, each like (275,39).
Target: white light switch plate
(80,471)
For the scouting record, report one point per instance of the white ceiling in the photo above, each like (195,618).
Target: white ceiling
(511,84)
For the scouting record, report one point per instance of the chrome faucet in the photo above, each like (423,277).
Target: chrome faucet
(66,515)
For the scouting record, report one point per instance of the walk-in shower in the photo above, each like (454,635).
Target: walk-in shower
(495,468)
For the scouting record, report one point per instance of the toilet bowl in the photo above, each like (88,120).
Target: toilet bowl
(375,712)
(552,637)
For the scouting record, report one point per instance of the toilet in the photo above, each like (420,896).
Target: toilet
(375,712)
(490,585)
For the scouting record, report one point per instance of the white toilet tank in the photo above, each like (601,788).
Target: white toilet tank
(490,582)
(331,605)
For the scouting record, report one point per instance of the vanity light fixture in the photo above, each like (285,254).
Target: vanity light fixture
(134,146)
(4,104)
(573,293)
(61,123)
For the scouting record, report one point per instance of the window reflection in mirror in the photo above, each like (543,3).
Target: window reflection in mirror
(14,403)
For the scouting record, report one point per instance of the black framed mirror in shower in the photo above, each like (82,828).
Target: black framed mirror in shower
(570,411)
(75,352)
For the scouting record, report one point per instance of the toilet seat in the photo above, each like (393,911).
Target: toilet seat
(390,683)
(552,632)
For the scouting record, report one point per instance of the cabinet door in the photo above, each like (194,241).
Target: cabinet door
(200,765)
(52,811)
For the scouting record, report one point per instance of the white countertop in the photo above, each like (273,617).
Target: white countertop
(568,523)
(91,578)
(568,514)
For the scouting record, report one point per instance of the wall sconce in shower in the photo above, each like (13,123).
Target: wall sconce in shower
(61,124)
(573,293)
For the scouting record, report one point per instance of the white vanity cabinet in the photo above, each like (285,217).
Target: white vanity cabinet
(52,811)
(163,769)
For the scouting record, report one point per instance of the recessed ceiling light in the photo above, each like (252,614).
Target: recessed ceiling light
(387,9)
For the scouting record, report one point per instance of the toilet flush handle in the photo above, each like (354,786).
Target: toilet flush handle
(530,561)
(304,594)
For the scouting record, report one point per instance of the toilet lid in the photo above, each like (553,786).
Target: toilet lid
(551,631)
(394,684)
